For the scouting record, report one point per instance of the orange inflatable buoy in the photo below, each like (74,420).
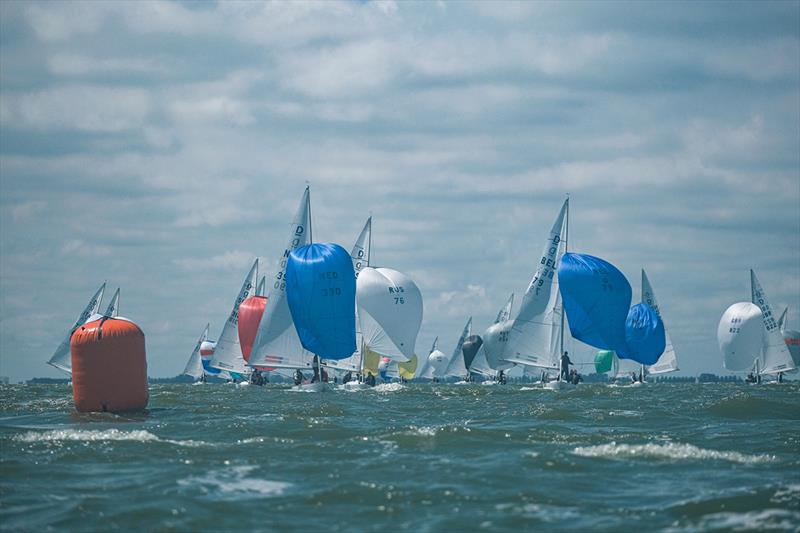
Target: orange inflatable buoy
(109,368)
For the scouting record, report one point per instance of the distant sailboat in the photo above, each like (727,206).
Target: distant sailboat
(749,336)
(61,359)
(668,361)
(474,350)
(456,366)
(194,366)
(228,352)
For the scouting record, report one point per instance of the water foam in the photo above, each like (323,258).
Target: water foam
(108,435)
(389,387)
(234,485)
(675,451)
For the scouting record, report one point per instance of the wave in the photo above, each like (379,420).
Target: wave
(745,406)
(233,484)
(108,435)
(765,519)
(389,387)
(673,451)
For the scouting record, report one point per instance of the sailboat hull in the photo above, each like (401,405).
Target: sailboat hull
(319,386)
(558,385)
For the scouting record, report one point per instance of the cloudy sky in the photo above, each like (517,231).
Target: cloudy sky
(164,145)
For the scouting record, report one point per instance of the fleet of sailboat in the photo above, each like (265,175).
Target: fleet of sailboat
(327,309)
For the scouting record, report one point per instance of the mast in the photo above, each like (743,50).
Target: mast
(561,340)
(310,223)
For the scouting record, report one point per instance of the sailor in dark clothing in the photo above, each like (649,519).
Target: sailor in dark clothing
(348,377)
(565,362)
(298,377)
(501,378)
(370,379)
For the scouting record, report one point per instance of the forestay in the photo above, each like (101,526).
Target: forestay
(668,362)
(194,367)
(62,359)
(277,344)
(776,354)
(389,312)
(228,352)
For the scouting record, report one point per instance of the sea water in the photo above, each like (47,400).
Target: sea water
(412,457)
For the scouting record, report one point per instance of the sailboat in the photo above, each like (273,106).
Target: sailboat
(359,255)
(532,337)
(228,351)
(435,364)
(474,351)
(389,316)
(277,344)
(61,358)
(749,336)
(792,339)
(194,366)
(668,361)
(321,295)
(456,366)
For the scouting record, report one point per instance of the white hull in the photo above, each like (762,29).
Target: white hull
(319,386)
(487,383)
(355,386)
(559,385)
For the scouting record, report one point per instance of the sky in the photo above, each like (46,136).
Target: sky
(162,146)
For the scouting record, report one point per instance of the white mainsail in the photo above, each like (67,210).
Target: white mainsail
(455,366)
(228,353)
(261,286)
(389,312)
(529,338)
(194,367)
(113,306)
(505,312)
(668,362)
(776,357)
(277,344)
(61,359)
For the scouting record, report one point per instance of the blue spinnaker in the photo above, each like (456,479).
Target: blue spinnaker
(644,335)
(596,299)
(321,293)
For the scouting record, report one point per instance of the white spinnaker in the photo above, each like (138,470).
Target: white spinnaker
(455,366)
(228,353)
(62,359)
(389,312)
(529,338)
(277,344)
(194,367)
(668,362)
(740,335)
(360,257)
(113,306)
(776,356)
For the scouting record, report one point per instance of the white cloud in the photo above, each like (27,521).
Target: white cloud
(77,107)
(27,210)
(84,249)
(233,260)
(71,64)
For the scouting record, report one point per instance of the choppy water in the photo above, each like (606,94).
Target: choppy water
(418,457)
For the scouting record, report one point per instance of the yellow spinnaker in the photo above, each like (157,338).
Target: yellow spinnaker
(408,369)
